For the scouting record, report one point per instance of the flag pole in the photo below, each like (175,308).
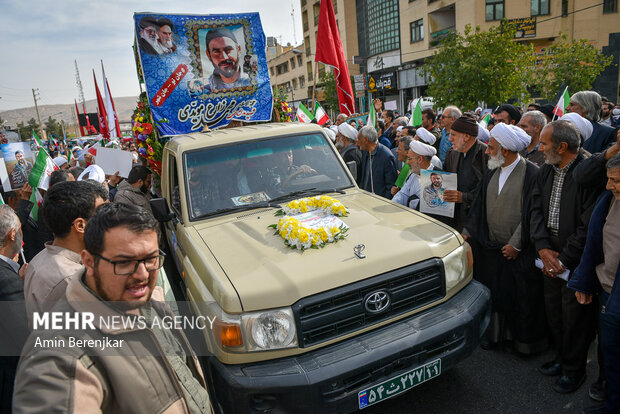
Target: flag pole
(316,69)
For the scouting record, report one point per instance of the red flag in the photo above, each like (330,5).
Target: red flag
(77,111)
(329,51)
(103,117)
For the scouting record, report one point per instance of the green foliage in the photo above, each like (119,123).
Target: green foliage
(576,64)
(480,66)
(25,131)
(327,81)
(52,127)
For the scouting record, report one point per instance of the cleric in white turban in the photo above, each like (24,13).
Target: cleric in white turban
(483,133)
(348,131)
(510,137)
(583,125)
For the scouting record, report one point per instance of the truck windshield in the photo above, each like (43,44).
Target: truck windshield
(252,172)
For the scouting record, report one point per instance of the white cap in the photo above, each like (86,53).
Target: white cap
(422,149)
(583,125)
(94,172)
(425,136)
(483,133)
(510,137)
(60,161)
(331,134)
(348,131)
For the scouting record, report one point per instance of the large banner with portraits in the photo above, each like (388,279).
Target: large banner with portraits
(203,71)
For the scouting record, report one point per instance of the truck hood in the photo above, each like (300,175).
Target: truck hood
(267,274)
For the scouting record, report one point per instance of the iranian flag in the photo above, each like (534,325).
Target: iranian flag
(416,117)
(40,178)
(560,108)
(372,117)
(319,114)
(304,115)
(485,121)
(37,139)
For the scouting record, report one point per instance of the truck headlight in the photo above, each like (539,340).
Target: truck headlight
(455,264)
(256,331)
(268,330)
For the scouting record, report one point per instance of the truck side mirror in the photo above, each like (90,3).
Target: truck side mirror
(160,209)
(352,166)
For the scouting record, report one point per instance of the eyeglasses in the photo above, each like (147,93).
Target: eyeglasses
(128,267)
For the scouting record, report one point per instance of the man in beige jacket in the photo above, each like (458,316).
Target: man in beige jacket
(118,367)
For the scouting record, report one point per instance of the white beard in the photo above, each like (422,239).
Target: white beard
(496,162)
(166,46)
(152,40)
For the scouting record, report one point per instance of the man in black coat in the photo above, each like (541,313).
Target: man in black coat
(560,212)
(468,159)
(13,323)
(588,104)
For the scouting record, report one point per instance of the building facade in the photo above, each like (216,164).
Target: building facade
(287,72)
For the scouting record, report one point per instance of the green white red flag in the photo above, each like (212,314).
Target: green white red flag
(319,114)
(560,108)
(304,115)
(41,171)
(485,121)
(372,117)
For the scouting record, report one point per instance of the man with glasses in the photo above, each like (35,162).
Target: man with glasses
(66,209)
(149,368)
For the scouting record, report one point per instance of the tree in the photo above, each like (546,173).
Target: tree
(574,64)
(52,127)
(25,131)
(480,66)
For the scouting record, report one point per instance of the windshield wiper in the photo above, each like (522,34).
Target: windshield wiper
(305,193)
(263,204)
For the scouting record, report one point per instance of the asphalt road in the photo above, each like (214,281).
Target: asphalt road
(492,382)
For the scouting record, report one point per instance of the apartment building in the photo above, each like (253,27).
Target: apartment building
(540,22)
(347,21)
(287,70)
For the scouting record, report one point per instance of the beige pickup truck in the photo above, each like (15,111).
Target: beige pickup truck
(333,329)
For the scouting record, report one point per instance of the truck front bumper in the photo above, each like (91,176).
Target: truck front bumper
(327,380)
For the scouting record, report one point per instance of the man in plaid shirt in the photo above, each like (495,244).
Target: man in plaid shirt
(560,214)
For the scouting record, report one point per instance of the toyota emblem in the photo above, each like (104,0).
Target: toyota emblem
(377,302)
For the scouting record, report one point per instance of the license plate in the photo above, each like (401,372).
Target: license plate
(399,384)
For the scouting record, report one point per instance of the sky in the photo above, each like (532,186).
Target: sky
(42,38)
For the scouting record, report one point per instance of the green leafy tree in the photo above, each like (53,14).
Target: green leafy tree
(25,131)
(476,66)
(52,127)
(574,63)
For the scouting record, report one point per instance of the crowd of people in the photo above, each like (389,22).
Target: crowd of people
(538,201)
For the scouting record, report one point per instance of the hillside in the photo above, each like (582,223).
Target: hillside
(124,107)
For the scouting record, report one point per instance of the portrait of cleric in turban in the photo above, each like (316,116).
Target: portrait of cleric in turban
(156,36)
(224,61)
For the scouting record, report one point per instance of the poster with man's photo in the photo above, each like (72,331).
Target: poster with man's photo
(433,184)
(18,162)
(203,70)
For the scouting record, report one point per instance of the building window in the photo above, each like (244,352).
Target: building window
(299,60)
(610,6)
(494,10)
(303,3)
(302,81)
(294,83)
(540,7)
(417,31)
(271,69)
(564,8)
(292,63)
(383,26)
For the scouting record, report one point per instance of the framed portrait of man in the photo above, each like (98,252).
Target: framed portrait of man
(18,162)
(214,71)
(434,184)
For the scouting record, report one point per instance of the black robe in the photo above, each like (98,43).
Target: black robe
(516,285)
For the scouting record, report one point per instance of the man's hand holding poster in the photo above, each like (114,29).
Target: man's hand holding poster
(203,71)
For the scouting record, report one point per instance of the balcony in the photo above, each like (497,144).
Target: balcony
(437,37)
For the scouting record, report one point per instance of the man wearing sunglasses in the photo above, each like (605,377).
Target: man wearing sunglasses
(148,368)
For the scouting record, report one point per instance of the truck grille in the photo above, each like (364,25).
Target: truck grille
(350,308)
